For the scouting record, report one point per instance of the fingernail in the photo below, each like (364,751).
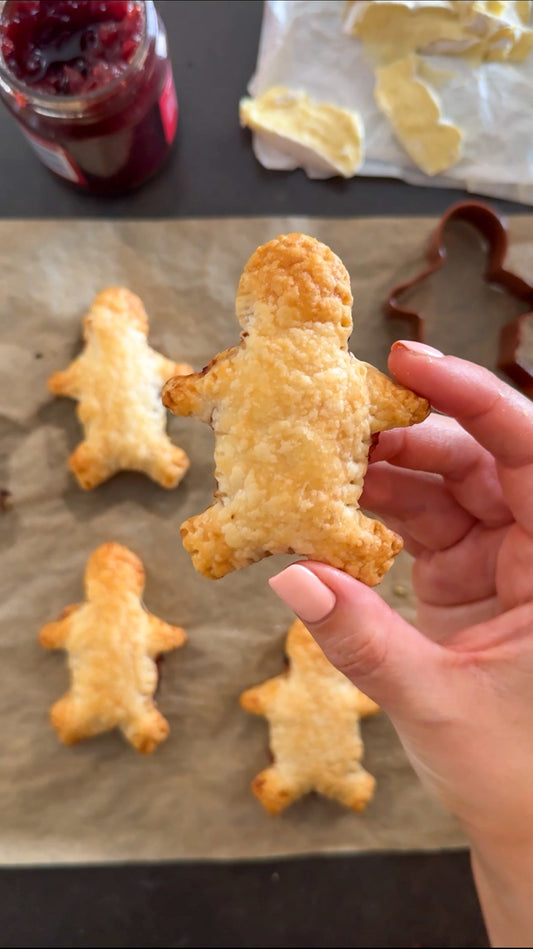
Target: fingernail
(306,595)
(418,349)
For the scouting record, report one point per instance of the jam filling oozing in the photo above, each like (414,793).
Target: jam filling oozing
(69,47)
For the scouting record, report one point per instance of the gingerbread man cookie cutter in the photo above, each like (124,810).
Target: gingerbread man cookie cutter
(493,229)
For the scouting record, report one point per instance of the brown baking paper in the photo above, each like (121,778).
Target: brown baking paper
(100,800)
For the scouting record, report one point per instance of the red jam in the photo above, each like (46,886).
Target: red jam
(91,86)
(70,47)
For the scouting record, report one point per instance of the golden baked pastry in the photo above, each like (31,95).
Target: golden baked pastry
(112,644)
(313,712)
(117,381)
(293,412)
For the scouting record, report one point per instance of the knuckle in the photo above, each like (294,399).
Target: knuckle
(358,657)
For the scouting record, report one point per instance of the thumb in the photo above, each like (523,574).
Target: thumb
(380,652)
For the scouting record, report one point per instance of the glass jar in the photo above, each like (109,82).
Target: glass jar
(113,138)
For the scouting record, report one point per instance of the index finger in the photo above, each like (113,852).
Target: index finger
(495,414)
(498,417)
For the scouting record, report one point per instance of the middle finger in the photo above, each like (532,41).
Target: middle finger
(440,445)
(418,504)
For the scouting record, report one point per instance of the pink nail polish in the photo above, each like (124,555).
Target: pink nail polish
(306,595)
(417,348)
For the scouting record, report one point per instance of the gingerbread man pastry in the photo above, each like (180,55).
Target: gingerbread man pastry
(293,412)
(313,711)
(117,381)
(112,643)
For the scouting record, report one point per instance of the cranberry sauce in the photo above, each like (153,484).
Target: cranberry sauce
(68,47)
(91,87)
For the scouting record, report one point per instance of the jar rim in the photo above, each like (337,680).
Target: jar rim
(59,105)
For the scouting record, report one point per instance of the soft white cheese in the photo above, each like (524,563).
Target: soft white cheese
(414,113)
(322,138)
(479,29)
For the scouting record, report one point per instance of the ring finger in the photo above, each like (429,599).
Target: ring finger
(418,505)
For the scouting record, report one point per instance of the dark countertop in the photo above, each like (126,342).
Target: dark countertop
(364,900)
(212,170)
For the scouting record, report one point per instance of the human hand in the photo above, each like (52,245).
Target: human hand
(459,689)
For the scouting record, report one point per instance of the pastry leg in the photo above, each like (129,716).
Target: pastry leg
(168,464)
(355,791)
(367,557)
(274,791)
(70,723)
(147,731)
(90,468)
(204,540)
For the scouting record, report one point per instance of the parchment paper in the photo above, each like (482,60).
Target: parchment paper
(303,47)
(101,800)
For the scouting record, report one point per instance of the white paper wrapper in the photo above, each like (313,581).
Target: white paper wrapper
(303,47)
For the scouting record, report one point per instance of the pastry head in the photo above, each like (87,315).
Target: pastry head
(292,281)
(114,568)
(115,306)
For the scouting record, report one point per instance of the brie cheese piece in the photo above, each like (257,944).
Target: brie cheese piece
(322,138)
(413,110)
(478,29)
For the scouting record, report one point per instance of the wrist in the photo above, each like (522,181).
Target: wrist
(503,874)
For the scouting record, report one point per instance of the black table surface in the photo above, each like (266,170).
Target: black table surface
(381,899)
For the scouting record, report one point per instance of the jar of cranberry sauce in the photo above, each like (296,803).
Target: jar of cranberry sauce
(91,87)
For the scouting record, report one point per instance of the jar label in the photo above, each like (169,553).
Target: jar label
(168,106)
(54,157)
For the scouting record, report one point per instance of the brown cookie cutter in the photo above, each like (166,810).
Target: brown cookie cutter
(493,229)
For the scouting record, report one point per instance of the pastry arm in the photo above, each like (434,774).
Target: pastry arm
(163,637)
(391,405)
(168,368)
(67,381)
(258,700)
(366,706)
(197,393)
(54,635)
